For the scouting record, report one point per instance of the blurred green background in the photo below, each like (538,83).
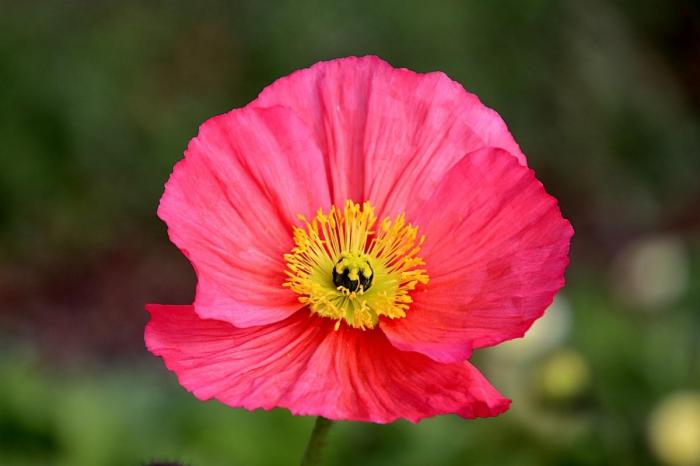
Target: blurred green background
(99,99)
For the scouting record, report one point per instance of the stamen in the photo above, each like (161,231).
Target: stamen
(344,269)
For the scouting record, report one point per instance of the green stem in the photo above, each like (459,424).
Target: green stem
(312,455)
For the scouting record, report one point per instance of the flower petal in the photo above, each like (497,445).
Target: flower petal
(388,135)
(230,204)
(304,365)
(496,248)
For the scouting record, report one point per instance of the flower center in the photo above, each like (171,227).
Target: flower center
(346,267)
(353,271)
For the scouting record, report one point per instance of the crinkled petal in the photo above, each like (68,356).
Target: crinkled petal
(230,204)
(388,135)
(496,249)
(303,365)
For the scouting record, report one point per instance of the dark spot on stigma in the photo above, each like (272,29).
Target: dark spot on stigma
(342,279)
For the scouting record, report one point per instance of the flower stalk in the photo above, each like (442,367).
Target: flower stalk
(314,449)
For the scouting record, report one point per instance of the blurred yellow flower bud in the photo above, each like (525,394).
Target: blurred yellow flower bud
(564,375)
(674,429)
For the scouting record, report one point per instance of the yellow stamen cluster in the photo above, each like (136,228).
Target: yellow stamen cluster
(347,267)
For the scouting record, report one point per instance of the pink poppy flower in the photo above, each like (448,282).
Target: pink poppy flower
(356,231)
